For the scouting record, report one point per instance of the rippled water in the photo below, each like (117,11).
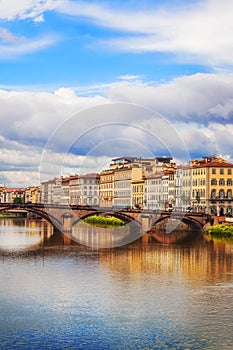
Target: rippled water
(146,295)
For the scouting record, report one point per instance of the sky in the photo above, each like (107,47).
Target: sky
(82,82)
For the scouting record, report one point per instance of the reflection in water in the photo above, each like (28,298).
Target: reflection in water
(199,262)
(105,237)
(20,233)
(144,295)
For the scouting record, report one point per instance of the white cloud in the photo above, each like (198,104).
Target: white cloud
(200,32)
(14,9)
(39,19)
(200,107)
(8,37)
(21,46)
(198,96)
(130,77)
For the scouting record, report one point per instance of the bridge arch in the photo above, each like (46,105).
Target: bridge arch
(126,218)
(186,219)
(43,214)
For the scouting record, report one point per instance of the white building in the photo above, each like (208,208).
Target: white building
(89,189)
(159,191)
(51,191)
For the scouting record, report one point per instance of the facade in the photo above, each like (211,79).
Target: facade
(159,191)
(65,190)
(32,194)
(137,189)
(106,188)
(15,195)
(219,174)
(204,186)
(51,191)
(122,185)
(89,189)
(2,195)
(71,190)
(211,186)
(178,188)
(152,196)
(122,188)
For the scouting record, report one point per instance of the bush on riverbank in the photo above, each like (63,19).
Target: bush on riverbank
(104,221)
(220,231)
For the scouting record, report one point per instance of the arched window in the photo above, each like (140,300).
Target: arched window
(229,194)
(221,194)
(214,182)
(213,194)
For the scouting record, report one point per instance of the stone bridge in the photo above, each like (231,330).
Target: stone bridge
(65,217)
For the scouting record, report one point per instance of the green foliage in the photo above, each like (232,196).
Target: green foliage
(18,200)
(104,221)
(220,231)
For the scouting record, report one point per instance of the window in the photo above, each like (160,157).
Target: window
(229,194)
(221,171)
(221,182)
(213,194)
(229,182)
(221,194)
(213,171)
(229,172)
(213,182)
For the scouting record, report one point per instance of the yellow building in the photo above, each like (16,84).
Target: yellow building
(32,194)
(137,185)
(106,188)
(212,185)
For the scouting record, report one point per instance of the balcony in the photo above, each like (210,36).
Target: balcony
(217,198)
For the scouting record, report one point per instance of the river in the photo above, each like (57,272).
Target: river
(55,294)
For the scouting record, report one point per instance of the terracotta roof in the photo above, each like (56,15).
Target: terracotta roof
(10,190)
(159,174)
(90,176)
(213,164)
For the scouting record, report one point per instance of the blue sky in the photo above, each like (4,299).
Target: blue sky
(76,50)
(59,58)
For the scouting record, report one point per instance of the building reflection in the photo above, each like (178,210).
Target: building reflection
(201,262)
(20,233)
(104,237)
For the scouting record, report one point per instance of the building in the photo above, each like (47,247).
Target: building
(219,186)
(72,190)
(207,186)
(122,187)
(65,190)
(137,190)
(89,189)
(51,191)
(152,193)
(159,191)
(106,188)
(32,194)
(13,195)
(182,187)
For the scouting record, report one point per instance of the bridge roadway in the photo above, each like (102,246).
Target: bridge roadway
(64,217)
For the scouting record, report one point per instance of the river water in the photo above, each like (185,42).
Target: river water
(55,294)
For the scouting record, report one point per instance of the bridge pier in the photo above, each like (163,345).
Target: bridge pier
(67,223)
(146,221)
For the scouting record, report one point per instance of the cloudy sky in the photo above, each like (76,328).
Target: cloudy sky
(84,81)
